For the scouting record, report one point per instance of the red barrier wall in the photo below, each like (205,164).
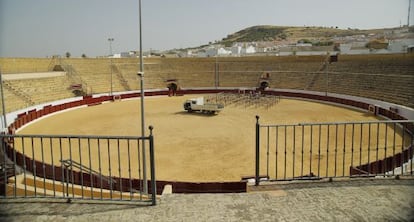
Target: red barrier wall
(385,165)
(55,172)
(32,114)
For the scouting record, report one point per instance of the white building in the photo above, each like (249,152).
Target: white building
(201,54)
(236,50)
(248,50)
(219,51)
(211,52)
(130,54)
(122,55)
(400,45)
(353,49)
(223,52)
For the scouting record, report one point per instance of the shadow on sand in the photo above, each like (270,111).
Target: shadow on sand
(196,114)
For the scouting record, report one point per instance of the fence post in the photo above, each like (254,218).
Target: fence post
(257,151)
(152,166)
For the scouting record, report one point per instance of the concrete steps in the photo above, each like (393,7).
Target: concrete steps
(28,185)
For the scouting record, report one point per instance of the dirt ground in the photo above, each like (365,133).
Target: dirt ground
(192,146)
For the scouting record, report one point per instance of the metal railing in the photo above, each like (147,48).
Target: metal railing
(77,167)
(312,151)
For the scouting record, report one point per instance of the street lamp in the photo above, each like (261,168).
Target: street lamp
(144,162)
(216,70)
(327,78)
(2,102)
(141,75)
(110,40)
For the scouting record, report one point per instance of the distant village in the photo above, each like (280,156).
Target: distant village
(395,41)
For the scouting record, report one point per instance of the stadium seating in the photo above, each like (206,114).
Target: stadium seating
(24,65)
(383,77)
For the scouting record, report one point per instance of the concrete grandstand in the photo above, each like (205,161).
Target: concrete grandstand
(384,82)
(388,78)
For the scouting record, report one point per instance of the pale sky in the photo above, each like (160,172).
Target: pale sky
(40,28)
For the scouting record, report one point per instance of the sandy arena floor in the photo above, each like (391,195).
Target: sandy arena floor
(192,146)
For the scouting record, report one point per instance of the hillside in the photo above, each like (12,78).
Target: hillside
(283,33)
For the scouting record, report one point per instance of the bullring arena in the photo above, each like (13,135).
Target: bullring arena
(196,147)
(204,148)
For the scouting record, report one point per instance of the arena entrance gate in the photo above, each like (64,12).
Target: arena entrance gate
(78,167)
(314,151)
(264,81)
(172,87)
(264,85)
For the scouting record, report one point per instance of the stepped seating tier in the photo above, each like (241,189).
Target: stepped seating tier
(383,77)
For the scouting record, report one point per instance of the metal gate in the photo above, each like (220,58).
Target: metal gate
(78,167)
(312,151)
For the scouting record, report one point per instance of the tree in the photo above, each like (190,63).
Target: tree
(84,55)
(67,54)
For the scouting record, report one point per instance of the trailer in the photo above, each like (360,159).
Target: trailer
(198,105)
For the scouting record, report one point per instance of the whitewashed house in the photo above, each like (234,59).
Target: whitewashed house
(399,45)
(236,50)
(248,50)
(223,52)
(353,48)
(201,53)
(211,52)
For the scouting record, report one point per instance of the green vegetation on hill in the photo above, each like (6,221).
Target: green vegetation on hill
(256,33)
(272,33)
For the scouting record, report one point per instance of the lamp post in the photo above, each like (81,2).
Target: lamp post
(141,75)
(2,102)
(110,40)
(216,70)
(327,78)
(327,61)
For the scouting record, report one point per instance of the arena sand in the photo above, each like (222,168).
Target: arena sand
(192,146)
